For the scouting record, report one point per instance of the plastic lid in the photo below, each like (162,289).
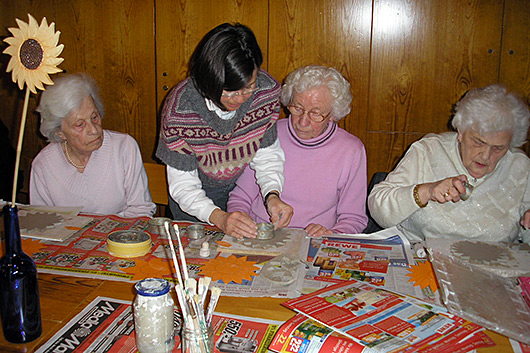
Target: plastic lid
(152,287)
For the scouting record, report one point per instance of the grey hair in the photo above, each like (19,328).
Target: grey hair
(64,97)
(493,109)
(308,77)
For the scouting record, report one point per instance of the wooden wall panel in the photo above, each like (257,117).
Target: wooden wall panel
(515,55)
(180,25)
(331,33)
(425,56)
(385,159)
(408,61)
(114,41)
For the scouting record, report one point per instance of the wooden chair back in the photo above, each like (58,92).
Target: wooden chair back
(156,174)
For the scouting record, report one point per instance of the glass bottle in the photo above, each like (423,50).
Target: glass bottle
(19,290)
(153,316)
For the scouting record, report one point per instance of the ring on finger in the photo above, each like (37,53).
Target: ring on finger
(446,195)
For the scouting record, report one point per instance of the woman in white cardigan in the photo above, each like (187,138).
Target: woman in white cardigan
(428,194)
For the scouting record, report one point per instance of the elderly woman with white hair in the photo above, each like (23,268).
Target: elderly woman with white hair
(469,184)
(325,166)
(84,165)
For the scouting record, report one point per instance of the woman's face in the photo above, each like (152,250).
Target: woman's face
(481,153)
(232,100)
(315,102)
(82,129)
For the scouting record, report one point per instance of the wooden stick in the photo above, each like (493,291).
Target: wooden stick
(19,146)
(173,253)
(181,251)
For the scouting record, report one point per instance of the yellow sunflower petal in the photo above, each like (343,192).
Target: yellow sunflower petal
(16,32)
(13,41)
(21,81)
(36,76)
(11,65)
(50,69)
(11,51)
(23,26)
(33,27)
(54,51)
(43,28)
(45,78)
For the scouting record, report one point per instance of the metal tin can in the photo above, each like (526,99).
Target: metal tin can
(195,231)
(265,231)
(153,316)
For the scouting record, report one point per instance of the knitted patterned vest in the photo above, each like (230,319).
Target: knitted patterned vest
(192,137)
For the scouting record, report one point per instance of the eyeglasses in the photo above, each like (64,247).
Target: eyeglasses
(241,92)
(313,115)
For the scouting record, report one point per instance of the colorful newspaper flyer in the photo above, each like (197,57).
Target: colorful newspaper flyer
(337,261)
(385,321)
(303,335)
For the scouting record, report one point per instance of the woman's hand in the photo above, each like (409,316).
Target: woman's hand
(236,224)
(280,212)
(525,220)
(443,191)
(316,230)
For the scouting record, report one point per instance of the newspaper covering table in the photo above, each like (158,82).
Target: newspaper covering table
(107,325)
(387,322)
(259,273)
(84,254)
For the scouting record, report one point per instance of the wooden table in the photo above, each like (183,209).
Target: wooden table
(62,297)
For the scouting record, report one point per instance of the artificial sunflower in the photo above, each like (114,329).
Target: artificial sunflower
(34,53)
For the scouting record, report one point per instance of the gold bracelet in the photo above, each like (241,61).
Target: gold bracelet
(417,197)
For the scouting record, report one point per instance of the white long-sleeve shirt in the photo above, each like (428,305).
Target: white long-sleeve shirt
(186,187)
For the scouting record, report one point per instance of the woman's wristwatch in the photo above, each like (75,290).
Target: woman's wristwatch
(269,194)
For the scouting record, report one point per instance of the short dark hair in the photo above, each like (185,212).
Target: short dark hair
(224,59)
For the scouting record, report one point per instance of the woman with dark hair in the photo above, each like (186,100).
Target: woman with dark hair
(216,122)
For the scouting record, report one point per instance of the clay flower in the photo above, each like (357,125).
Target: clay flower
(34,53)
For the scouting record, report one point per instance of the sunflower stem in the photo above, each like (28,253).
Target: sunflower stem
(19,145)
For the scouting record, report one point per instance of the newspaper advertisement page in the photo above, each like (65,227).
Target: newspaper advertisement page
(376,318)
(337,261)
(381,258)
(303,335)
(107,325)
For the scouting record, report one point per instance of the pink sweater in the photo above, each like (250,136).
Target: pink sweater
(325,181)
(114,180)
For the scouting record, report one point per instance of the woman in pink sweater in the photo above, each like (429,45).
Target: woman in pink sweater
(325,166)
(99,170)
